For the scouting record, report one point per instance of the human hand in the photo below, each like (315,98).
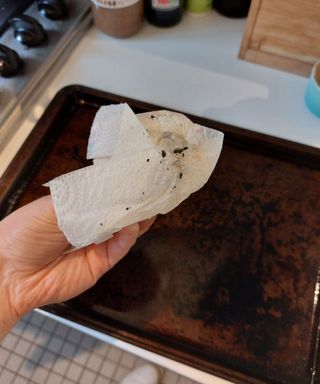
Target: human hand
(35,271)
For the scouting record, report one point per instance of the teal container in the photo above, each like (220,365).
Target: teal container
(312,95)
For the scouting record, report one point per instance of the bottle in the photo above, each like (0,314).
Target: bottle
(232,8)
(163,13)
(119,18)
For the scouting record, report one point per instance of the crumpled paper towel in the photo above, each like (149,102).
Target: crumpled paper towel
(143,165)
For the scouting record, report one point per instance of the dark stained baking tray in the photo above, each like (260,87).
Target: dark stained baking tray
(228,282)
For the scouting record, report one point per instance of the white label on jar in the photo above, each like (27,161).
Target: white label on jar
(165,4)
(113,4)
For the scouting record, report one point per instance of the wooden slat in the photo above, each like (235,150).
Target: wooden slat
(283,34)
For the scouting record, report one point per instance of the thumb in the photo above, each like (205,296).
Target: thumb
(120,244)
(102,257)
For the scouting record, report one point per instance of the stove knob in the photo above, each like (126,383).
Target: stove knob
(10,62)
(28,30)
(53,9)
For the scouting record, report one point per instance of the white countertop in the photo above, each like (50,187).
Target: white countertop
(194,68)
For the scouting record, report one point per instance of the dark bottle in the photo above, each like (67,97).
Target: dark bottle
(163,13)
(232,8)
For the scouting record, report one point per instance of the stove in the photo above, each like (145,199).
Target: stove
(35,39)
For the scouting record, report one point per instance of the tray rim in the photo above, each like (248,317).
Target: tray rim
(244,138)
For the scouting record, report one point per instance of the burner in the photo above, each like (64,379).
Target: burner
(10,9)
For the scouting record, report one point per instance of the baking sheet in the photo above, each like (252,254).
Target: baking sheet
(228,282)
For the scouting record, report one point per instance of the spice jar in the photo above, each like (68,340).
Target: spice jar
(198,7)
(119,18)
(164,13)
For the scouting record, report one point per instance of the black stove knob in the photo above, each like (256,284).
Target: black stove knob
(53,9)
(28,30)
(10,62)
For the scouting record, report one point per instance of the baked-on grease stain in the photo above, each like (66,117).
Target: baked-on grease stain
(78,156)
